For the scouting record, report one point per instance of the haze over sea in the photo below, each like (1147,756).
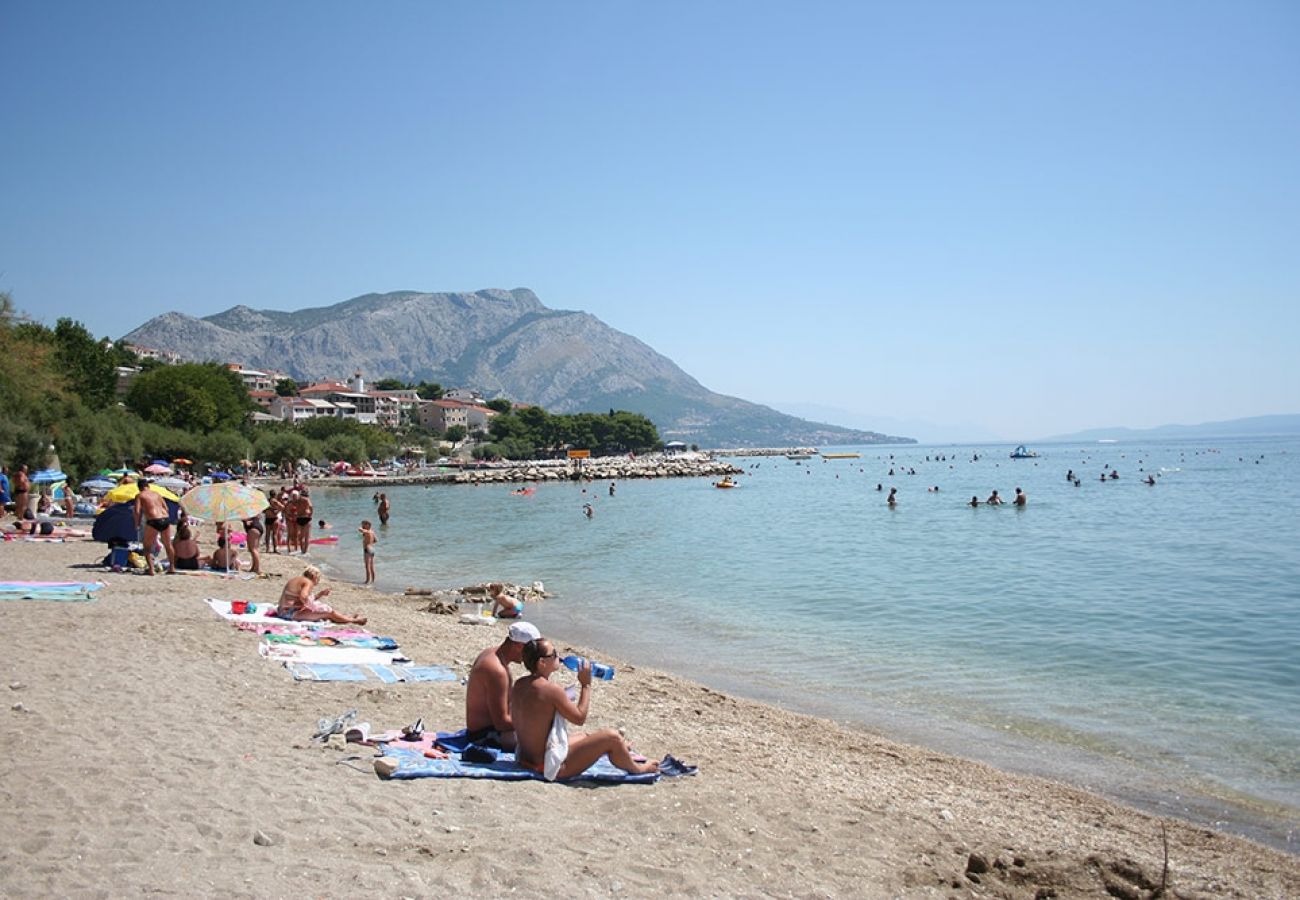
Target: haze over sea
(1140,641)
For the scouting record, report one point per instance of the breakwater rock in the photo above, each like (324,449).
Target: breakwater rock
(612,468)
(607,469)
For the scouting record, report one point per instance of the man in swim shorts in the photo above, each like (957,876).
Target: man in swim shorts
(487,693)
(152,509)
(534,702)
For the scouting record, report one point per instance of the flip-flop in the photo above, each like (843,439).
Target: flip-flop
(673,767)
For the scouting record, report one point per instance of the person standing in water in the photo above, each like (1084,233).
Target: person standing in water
(368,541)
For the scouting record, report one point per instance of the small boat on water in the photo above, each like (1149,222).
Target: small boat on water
(841,456)
(1023,452)
(798,457)
(726,482)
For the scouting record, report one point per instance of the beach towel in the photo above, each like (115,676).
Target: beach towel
(302,671)
(347,655)
(265,613)
(49,590)
(324,639)
(413,764)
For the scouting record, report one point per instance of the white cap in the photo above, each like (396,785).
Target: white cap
(523,632)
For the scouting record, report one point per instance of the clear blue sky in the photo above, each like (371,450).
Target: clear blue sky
(1029,217)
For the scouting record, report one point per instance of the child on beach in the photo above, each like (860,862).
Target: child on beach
(368,541)
(504,606)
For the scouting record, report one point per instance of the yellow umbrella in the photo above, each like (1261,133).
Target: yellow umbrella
(125,493)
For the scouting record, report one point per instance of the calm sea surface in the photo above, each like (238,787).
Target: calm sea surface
(1140,641)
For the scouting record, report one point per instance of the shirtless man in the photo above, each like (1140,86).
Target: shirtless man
(993,500)
(384,509)
(534,701)
(22,486)
(151,508)
(487,694)
(298,602)
(1021,499)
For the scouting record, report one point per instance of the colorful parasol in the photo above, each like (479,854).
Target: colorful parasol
(224,502)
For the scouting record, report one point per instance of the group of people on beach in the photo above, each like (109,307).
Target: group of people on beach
(500,712)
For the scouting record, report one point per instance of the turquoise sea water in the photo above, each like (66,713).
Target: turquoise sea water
(1140,641)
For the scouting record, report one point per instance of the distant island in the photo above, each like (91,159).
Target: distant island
(1255,426)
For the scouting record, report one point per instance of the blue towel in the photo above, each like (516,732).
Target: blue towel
(414,764)
(350,672)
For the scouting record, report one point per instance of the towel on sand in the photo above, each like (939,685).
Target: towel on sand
(49,590)
(415,765)
(303,671)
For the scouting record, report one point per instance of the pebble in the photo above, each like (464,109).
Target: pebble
(262,839)
(16,685)
(19,707)
(946,815)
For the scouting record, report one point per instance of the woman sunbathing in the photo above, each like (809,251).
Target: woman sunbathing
(299,603)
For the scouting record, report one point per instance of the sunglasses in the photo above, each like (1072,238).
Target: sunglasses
(550,655)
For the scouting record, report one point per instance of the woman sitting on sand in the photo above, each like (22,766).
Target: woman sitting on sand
(187,549)
(297,601)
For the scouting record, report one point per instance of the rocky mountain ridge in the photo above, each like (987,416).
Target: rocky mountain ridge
(503,343)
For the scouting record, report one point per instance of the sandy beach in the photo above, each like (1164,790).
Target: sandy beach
(147,745)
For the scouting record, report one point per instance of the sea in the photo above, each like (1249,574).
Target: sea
(1141,641)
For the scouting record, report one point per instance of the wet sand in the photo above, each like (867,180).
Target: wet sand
(147,745)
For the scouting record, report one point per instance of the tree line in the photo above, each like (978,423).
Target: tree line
(58,386)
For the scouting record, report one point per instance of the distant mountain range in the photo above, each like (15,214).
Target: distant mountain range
(1255,426)
(503,343)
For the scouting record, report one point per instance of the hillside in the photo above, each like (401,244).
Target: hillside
(503,343)
(1255,426)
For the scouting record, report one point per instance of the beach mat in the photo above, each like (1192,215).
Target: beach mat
(362,656)
(396,674)
(49,590)
(214,573)
(413,764)
(263,615)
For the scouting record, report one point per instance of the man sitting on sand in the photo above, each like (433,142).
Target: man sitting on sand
(534,702)
(297,601)
(487,694)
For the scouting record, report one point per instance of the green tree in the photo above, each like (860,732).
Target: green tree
(345,446)
(87,365)
(321,427)
(281,448)
(391,384)
(225,448)
(455,434)
(198,397)
(286,387)
(500,404)
(428,390)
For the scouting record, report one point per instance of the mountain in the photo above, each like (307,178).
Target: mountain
(1255,426)
(923,431)
(503,343)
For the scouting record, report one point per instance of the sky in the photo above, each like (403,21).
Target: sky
(997,219)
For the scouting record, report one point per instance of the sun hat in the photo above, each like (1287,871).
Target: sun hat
(523,632)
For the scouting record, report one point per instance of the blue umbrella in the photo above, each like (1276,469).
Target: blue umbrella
(117,523)
(48,476)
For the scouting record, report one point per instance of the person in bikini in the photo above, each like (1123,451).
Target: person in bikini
(487,691)
(253,530)
(152,510)
(300,601)
(302,511)
(274,507)
(186,548)
(534,701)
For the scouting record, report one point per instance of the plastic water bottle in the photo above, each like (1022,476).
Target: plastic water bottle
(598,670)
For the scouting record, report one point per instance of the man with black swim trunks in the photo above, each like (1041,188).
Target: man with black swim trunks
(152,509)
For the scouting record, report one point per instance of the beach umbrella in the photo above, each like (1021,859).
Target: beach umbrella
(221,476)
(224,501)
(48,476)
(179,485)
(157,469)
(124,493)
(182,461)
(98,485)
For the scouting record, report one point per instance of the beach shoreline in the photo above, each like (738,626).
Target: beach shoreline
(152,745)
